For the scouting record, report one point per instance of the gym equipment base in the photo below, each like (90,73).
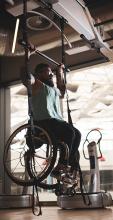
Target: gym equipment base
(97,200)
(15,201)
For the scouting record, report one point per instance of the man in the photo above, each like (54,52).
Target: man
(47,112)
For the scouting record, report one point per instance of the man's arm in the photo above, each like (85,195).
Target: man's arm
(60,80)
(35,84)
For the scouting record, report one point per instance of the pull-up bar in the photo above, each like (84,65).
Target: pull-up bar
(34,50)
(44,56)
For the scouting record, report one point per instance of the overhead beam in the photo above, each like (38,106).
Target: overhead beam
(93,3)
(75,14)
(103,22)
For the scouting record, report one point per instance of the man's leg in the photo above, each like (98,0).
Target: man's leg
(74,153)
(63,131)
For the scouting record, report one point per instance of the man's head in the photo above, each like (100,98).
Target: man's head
(44,73)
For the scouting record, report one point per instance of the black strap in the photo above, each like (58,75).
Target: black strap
(35,201)
(27,72)
(36,206)
(84,193)
(69,112)
(62,23)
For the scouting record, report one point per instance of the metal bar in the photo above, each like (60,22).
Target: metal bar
(46,57)
(103,22)
(87,41)
(33,50)
(88,63)
(108,39)
(81,4)
(96,4)
(49,59)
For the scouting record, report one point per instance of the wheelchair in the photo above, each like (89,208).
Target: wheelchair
(30,156)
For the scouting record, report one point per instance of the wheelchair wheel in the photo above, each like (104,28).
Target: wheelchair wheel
(44,181)
(48,182)
(19,150)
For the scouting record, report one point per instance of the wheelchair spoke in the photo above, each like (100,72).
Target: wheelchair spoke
(21,163)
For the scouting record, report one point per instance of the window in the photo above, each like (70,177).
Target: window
(90,94)
(91,107)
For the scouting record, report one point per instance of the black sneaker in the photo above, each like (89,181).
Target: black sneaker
(58,170)
(55,173)
(70,178)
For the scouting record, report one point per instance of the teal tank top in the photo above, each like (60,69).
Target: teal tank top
(46,103)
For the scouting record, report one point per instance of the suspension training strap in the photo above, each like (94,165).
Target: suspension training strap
(84,195)
(27,72)
(36,206)
(62,22)
(30,112)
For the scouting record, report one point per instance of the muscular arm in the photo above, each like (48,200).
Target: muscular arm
(35,84)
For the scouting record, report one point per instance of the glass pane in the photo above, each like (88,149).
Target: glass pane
(19,106)
(90,94)
(19,116)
